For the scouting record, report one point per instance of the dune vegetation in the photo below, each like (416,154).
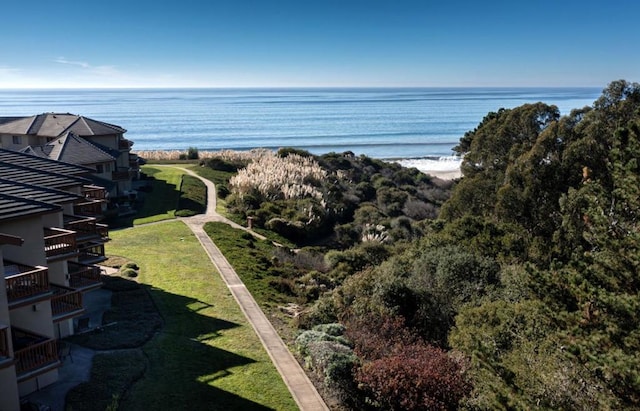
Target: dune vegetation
(515,287)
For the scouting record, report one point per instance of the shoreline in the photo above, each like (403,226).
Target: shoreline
(442,167)
(444,175)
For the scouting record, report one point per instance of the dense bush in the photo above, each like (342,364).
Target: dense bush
(329,355)
(400,371)
(224,164)
(192,153)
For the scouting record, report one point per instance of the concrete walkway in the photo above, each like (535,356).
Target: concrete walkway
(301,388)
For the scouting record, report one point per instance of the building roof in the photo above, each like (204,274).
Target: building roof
(70,148)
(12,207)
(58,124)
(38,193)
(41,163)
(28,175)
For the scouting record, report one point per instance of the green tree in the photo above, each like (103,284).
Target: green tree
(499,140)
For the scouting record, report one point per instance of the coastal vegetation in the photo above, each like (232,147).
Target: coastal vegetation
(513,288)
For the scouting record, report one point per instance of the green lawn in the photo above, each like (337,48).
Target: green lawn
(165,196)
(193,196)
(206,355)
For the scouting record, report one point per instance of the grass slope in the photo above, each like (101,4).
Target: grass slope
(193,196)
(165,196)
(206,356)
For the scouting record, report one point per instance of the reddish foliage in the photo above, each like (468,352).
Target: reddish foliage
(376,337)
(402,372)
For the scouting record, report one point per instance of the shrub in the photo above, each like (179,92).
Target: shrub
(284,286)
(401,371)
(192,153)
(307,337)
(333,361)
(129,272)
(419,210)
(286,151)
(323,311)
(131,264)
(335,329)
(221,164)
(185,213)
(417,377)
(223,191)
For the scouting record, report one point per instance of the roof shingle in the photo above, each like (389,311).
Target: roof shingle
(12,207)
(57,124)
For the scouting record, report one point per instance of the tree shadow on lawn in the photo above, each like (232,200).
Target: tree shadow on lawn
(175,365)
(161,198)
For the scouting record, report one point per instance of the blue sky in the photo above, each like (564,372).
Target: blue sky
(321,43)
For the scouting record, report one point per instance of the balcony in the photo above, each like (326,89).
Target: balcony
(84,276)
(59,242)
(86,228)
(94,192)
(34,354)
(24,281)
(124,144)
(121,174)
(91,253)
(133,162)
(65,303)
(88,207)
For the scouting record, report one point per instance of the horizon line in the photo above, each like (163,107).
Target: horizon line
(289,87)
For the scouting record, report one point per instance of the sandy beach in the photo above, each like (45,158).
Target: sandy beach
(445,168)
(444,174)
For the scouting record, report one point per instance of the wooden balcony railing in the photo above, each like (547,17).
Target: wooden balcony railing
(59,242)
(91,253)
(133,162)
(124,144)
(25,281)
(83,275)
(32,351)
(94,192)
(121,174)
(86,228)
(88,207)
(65,301)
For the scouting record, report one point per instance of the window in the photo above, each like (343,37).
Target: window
(99,168)
(17,140)
(107,167)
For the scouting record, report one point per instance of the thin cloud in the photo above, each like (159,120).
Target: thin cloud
(101,70)
(8,70)
(63,60)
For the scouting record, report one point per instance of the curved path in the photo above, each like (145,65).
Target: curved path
(301,388)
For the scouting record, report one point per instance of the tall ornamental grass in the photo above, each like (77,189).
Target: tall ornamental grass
(223,154)
(273,177)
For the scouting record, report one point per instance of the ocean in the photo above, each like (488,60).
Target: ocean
(385,123)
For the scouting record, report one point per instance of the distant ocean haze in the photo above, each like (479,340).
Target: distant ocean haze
(411,123)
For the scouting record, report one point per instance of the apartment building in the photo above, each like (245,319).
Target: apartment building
(50,240)
(77,140)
